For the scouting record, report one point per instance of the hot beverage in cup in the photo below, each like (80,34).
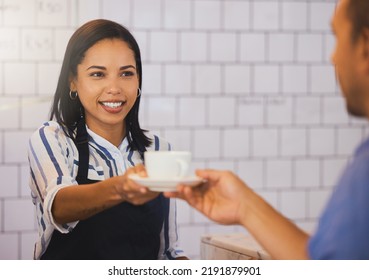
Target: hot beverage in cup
(167,164)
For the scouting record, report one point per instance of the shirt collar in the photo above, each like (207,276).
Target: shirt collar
(123,147)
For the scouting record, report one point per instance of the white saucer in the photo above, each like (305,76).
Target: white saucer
(165,185)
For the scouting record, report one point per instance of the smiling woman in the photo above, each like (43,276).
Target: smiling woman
(87,40)
(107,84)
(80,161)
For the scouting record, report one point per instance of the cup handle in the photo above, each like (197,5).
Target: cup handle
(183,168)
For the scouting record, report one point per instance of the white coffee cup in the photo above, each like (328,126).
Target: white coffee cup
(167,164)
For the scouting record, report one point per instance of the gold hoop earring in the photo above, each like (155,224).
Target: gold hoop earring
(73,95)
(139,92)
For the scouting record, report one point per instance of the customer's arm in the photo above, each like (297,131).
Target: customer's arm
(228,200)
(279,236)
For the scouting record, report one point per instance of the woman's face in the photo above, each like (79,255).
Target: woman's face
(107,84)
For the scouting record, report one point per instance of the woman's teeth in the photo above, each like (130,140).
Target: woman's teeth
(112,104)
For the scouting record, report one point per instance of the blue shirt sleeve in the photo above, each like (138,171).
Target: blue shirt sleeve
(343,229)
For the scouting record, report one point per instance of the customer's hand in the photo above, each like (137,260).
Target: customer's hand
(132,192)
(220,198)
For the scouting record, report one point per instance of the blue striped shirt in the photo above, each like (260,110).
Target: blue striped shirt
(53,159)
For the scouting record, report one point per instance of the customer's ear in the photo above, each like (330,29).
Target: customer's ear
(364,48)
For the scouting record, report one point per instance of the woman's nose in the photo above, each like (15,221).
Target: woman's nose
(113,91)
(114,87)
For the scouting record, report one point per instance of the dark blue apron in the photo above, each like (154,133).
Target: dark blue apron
(124,231)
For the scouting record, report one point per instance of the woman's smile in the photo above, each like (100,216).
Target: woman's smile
(112,106)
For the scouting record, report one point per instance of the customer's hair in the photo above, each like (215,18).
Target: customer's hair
(358,13)
(68,112)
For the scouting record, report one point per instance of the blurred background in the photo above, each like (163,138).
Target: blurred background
(246,85)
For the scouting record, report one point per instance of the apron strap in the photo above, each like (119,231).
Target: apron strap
(81,142)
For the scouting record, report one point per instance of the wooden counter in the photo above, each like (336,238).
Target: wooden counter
(236,246)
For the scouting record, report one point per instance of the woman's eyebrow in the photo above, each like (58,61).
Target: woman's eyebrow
(104,68)
(96,67)
(126,67)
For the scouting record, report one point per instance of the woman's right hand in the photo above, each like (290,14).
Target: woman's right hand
(132,192)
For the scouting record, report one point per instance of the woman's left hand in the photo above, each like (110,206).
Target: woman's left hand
(132,192)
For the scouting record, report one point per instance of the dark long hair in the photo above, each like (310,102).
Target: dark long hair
(69,112)
(358,13)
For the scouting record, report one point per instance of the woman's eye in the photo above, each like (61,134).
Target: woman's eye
(97,74)
(127,74)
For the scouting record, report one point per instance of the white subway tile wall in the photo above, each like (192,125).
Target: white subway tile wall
(245,85)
